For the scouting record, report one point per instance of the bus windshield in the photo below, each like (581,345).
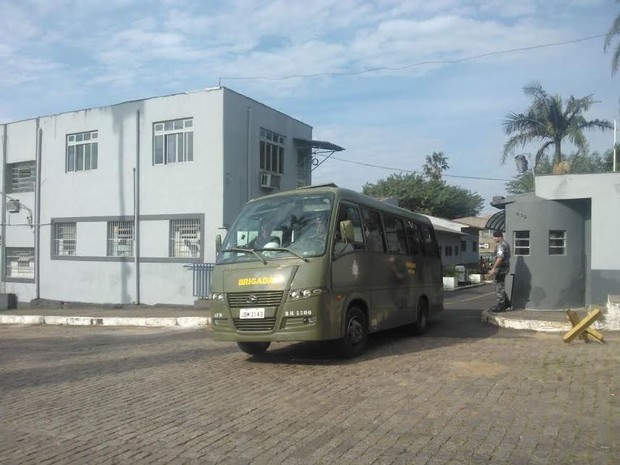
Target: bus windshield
(279,228)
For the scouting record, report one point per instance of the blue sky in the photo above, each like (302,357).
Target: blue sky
(391,81)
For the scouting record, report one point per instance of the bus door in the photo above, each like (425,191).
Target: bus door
(401,279)
(382,272)
(350,270)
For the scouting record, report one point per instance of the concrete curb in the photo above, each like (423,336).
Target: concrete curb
(519,323)
(187,321)
(504,321)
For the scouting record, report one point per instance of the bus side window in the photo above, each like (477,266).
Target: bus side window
(373,230)
(351,213)
(430,244)
(395,235)
(414,238)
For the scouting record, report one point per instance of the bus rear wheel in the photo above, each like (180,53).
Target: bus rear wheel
(421,323)
(254,348)
(355,333)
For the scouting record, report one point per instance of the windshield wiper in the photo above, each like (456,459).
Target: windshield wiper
(283,249)
(252,251)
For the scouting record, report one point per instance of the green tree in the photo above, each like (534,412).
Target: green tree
(580,162)
(436,164)
(614,31)
(429,196)
(549,122)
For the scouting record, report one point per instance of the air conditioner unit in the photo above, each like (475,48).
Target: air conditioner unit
(269,181)
(12,206)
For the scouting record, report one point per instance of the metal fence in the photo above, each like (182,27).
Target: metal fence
(201,279)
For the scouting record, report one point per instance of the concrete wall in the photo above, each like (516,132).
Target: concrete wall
(209,188)
(604,192)
(542,280)
(243,119)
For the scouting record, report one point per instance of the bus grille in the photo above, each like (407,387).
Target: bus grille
(255,299)
(261,324)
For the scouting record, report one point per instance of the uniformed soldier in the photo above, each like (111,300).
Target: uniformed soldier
(501,266)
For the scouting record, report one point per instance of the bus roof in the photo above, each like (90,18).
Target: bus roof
(348,194)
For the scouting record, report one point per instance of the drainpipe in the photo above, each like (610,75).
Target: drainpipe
(615,142)
(249,155)
(136,207)
(3,209)
(37,213)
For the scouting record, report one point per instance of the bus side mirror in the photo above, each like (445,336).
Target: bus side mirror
(218,242)
(346,231)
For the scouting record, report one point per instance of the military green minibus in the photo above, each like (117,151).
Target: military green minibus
(323,263)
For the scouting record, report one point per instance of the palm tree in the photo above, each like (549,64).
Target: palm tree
(549,122)
(614,30)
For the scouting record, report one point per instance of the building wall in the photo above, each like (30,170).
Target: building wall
(604,192)
(242,122)
(541,280)
(207,188)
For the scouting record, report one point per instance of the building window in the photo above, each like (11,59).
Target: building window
(185,238)
(521,241)
(271,151)
(64,239)
(120,238)
(20,262)
(557,242)
(173,141)
(82,149)
(21,177)
(448,250)
(463,246)
(474,246)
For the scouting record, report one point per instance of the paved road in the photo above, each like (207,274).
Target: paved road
(465,393)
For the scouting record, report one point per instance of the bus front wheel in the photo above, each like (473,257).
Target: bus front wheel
(254,348)
(355,333)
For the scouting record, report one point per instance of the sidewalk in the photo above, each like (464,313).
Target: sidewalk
(199,316)
(118,315)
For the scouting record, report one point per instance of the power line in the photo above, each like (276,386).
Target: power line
(414,172)
(413,65)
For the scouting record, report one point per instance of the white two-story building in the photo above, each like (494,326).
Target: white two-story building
(111,204)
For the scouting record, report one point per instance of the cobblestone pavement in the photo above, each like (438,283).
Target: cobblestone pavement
(465,393)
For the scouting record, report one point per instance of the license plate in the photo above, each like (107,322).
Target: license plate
(247,313)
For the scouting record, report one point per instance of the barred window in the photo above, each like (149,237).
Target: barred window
(21,177)
(185,238)
(557,242)
(20,262)
(120,238)
(64,238)
(173,141)
(82,151)
(521,241)
(271,151)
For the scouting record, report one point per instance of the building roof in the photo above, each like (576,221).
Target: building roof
(474,221)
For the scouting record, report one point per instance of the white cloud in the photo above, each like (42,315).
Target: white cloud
(64,55)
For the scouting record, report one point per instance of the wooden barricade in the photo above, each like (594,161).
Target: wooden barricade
(581,327)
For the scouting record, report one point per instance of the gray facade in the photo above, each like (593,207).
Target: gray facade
(110,205)
(564,241)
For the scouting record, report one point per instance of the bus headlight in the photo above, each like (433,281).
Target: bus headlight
(218,297)
(298,294)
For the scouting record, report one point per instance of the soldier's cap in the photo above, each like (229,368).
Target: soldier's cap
(498,234)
